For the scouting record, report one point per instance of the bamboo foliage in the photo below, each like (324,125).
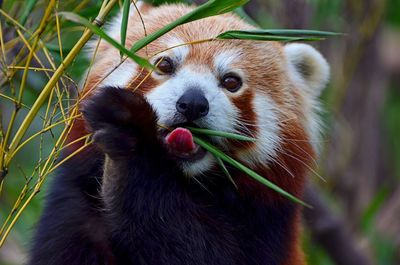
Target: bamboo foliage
(51,93)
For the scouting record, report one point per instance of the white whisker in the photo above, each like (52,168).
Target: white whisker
(310,168)
(282,166)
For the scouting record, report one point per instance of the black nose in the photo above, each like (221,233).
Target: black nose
(192,104)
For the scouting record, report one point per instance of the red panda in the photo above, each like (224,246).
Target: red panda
(142,195)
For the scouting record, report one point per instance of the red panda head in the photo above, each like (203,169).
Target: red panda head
(265,90)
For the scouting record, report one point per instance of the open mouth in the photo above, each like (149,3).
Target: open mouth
(181,145)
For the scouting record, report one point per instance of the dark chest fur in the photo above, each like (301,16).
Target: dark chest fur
(161,217)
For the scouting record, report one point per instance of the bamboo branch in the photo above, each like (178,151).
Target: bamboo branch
(57,75)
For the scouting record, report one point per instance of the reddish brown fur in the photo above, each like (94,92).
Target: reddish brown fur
(296,145)
(147,84)
(295,255)
(79,127)
(78,130)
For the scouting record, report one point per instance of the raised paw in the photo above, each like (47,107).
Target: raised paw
(118,119)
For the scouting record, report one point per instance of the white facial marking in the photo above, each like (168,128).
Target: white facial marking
(198,167)
(221,115)
(164,97)
(268,132)
(223,61)
(179,53)
(122,76)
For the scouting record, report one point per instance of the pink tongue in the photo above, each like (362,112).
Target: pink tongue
(181,140)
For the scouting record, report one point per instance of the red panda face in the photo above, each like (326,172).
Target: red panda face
(260,89)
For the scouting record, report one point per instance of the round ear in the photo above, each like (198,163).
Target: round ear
(309,65)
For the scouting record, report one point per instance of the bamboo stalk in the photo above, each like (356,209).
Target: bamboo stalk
(10,157)
(57,74)
(35,191)
(22,86)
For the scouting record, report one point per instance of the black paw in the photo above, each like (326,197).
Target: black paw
(119,119)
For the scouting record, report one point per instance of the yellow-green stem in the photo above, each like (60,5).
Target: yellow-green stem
(23,81)
(56,76)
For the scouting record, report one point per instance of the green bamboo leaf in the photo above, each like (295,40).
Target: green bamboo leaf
(96,30)
(284,32)
(56,49)
(246,36)
(211,8)
(222,134)
(27,11)
(216,152)
(124,23)
(161,2)
(225,170)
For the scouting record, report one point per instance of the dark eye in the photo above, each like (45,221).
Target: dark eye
(231,82)
(164,64)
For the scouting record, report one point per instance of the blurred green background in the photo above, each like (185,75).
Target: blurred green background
(360,150)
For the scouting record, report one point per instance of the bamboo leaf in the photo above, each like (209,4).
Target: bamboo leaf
(124,23)
(277,35)
(245,36)
(211,8)
(225,170)
(264,38)
(161,2)
(96,30)
(222,134)
(28,9)
(55,48)
(216,152)
(284,32)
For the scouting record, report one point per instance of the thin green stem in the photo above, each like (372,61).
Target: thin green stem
(57,75)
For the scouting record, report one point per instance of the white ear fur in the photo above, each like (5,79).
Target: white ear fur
(140,5)
(310,65)
(115,25)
